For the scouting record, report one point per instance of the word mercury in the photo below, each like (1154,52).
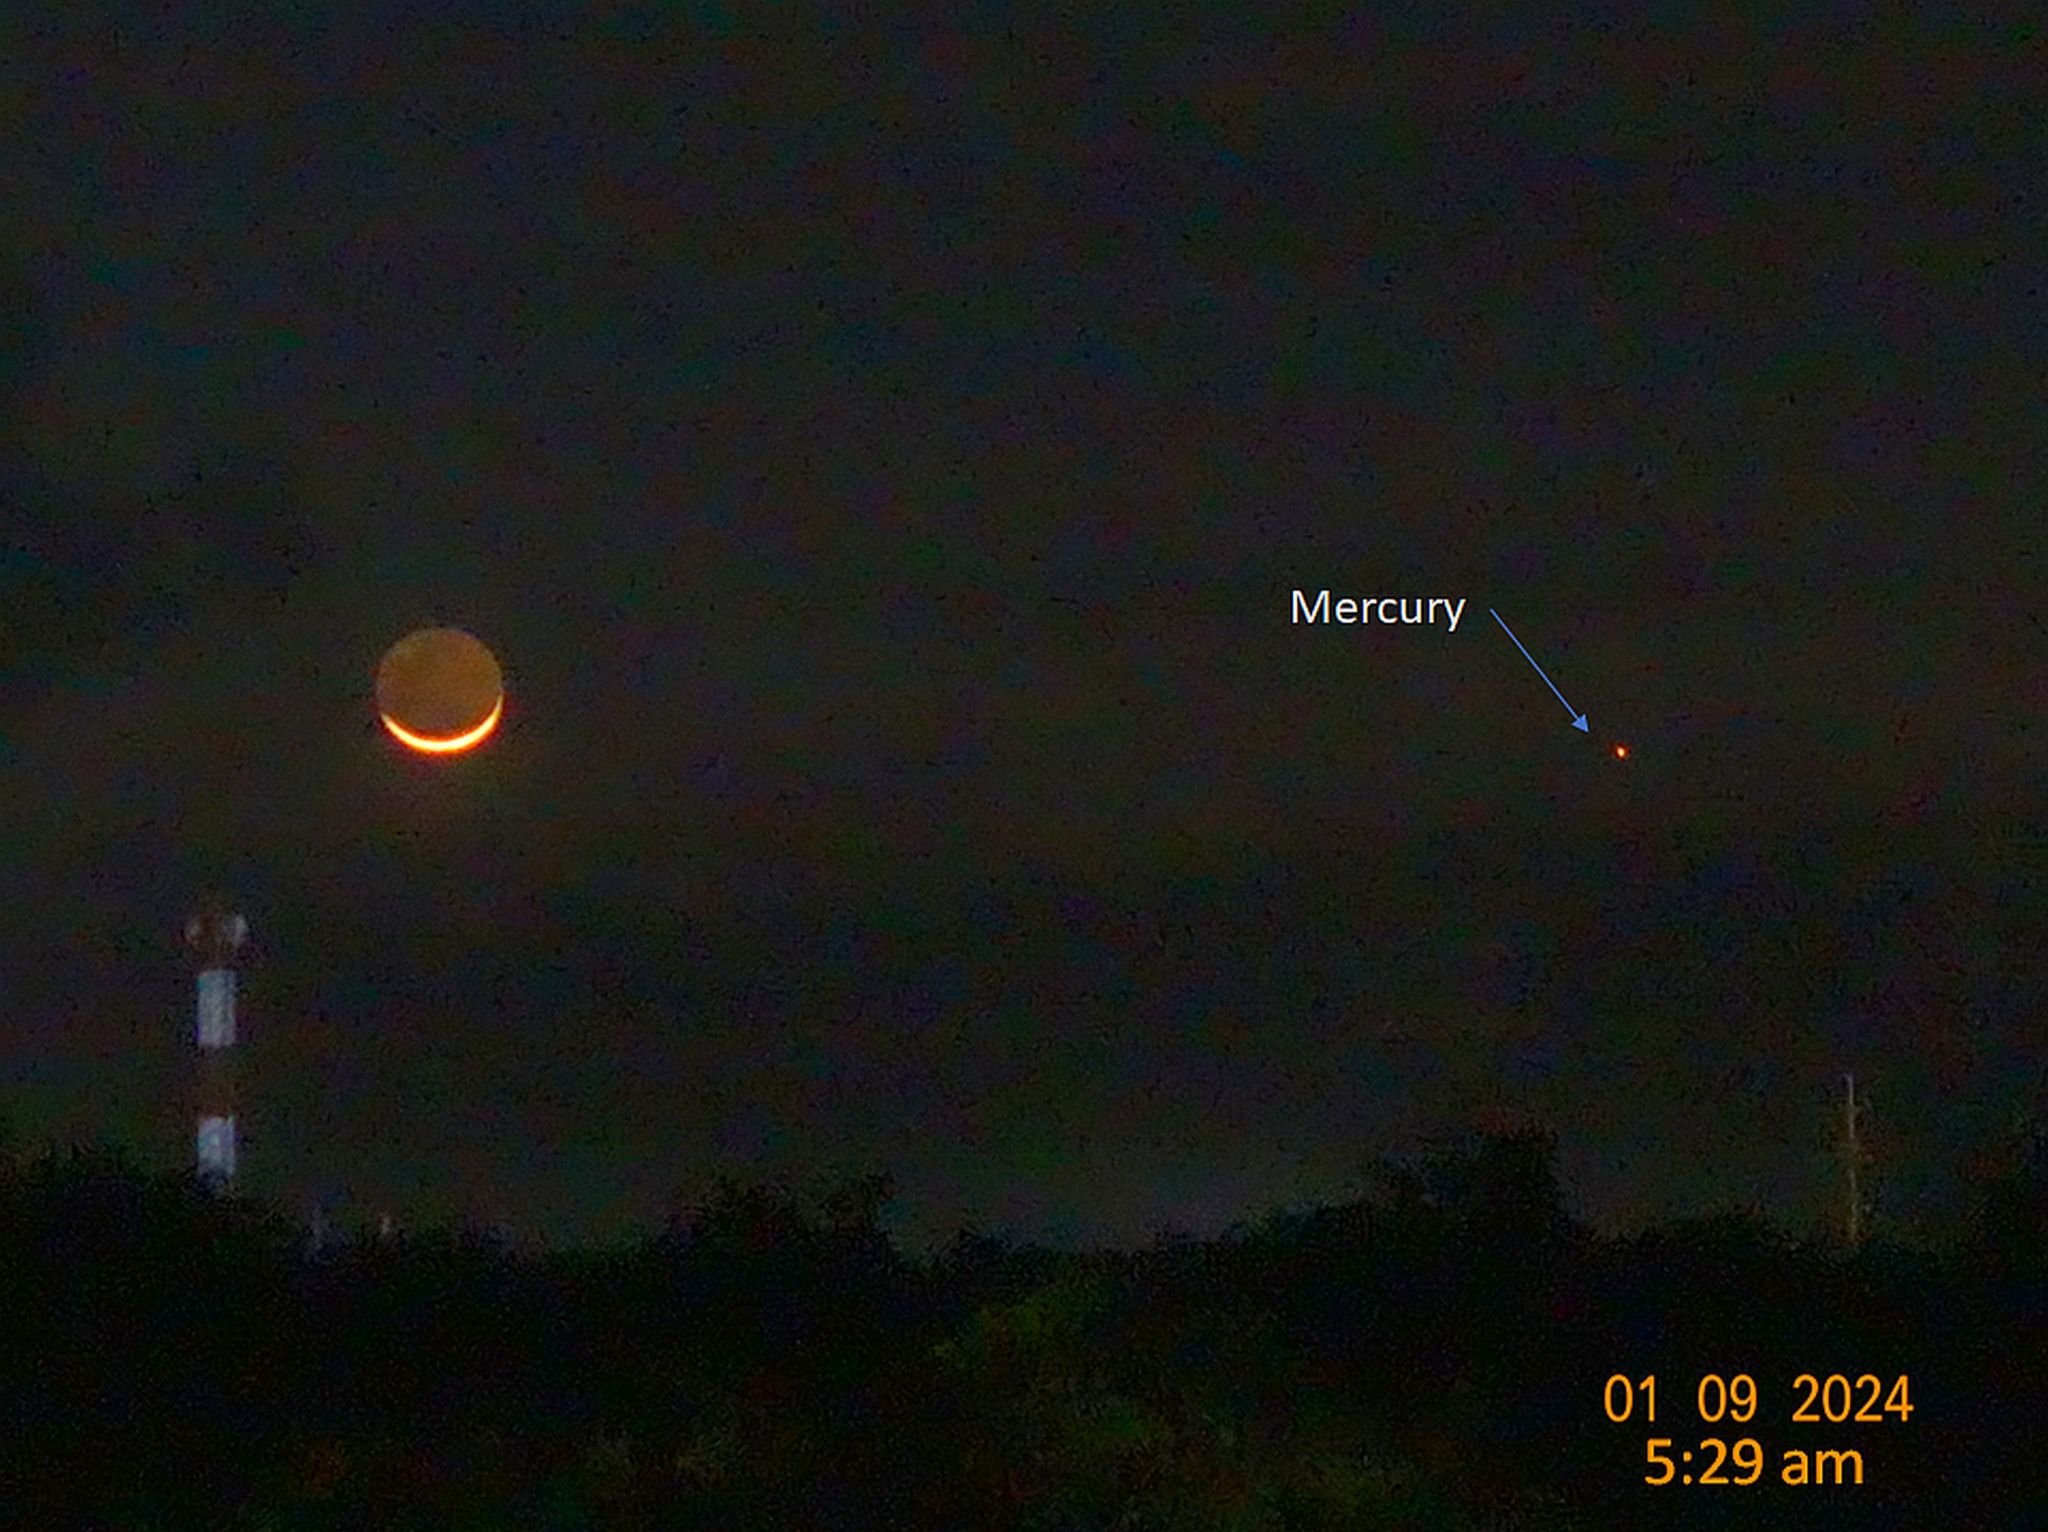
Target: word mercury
(1322,609)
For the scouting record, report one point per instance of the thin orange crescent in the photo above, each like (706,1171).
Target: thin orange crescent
(446,744)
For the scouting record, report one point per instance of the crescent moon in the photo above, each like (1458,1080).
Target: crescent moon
(446,744)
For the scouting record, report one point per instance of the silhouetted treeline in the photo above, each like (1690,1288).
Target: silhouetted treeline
(1434,1355)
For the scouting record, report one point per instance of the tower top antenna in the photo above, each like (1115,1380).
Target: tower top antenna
(1853,1219)
(215,934)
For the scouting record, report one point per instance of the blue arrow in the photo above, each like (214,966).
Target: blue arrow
(1578,718)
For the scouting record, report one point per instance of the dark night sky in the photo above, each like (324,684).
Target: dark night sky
(881,460)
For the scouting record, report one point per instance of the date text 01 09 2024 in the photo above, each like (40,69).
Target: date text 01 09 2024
(1833,1399)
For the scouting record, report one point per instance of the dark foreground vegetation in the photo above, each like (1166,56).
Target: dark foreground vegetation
(1433,1357)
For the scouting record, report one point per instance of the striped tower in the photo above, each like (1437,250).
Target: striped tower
(214,937)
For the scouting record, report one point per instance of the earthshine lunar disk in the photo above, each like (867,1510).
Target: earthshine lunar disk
(440,691)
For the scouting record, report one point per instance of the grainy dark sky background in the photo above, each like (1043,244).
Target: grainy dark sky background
(881,458)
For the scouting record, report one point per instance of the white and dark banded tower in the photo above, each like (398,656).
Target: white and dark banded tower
(215,936)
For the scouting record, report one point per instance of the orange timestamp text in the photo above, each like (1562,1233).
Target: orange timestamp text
(1816,1399)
